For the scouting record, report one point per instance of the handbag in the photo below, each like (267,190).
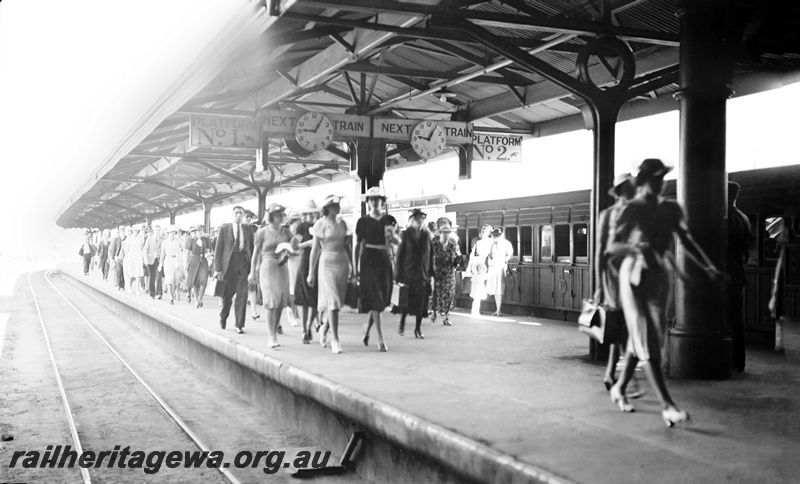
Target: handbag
(466,284)
(219,288)
(352,295)
(602,324)
(399,295)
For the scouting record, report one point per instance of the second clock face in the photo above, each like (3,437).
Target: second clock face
(314,131)
(427,139)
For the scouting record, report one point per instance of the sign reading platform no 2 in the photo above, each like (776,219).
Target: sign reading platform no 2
(489,147)
(225,131)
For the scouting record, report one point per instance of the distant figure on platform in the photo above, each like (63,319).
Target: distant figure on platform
(373,264)
(738,238)
(152,256)
(269,262)
(607,269)
(115,257)
(254,299)
(415,270)
(133,261)
(102,254)
(86,252)
(644,233)
(170,261)
(197,246)
(499,255)
(477,267)
(446,257)
(232,258)
(292,222)
(331,250)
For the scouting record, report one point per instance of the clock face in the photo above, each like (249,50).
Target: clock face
(313,131)
(427,139)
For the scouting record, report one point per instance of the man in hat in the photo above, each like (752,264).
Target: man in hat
(115,258)
(738,253)
(606,275)
(152,254)
(102,254)
(232,256)
(500,254)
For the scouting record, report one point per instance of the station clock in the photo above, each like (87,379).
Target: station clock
(427,139)
(313,131)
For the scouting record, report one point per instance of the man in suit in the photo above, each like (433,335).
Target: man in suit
(738,253)
(114,256)
(152,253)
(102,254)
(232,256)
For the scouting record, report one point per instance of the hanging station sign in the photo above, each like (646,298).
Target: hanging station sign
(224,131)
(397,129)
(275,122)
(497,147)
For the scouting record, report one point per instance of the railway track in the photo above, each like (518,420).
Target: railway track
(120,389)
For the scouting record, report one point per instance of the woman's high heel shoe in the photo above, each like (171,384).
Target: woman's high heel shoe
(674,416)
(382,347)
(621,400)
(446,322)
(365,339)
(418,334)
(322,341)
(402,328)
(608,384)
(336,348)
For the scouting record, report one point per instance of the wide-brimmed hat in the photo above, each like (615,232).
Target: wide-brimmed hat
(196,227)
(309,207)
(651,168)
(619,183)
(331,199)
(373,192)
(276,207)
(293,214)
(417,212)
(498,231)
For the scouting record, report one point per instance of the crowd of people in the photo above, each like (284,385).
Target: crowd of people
(300,263)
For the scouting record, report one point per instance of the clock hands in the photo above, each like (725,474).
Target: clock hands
(312,130)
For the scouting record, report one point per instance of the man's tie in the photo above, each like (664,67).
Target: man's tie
(238,229)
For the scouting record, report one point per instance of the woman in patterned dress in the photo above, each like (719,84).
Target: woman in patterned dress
(273,273)
(331,251)
(374,232)
(446,257)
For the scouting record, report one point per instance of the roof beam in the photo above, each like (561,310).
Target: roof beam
(647,61)
(194,156)
(330,59)
(390,71)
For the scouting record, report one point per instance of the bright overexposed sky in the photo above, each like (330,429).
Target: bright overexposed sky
(75,76)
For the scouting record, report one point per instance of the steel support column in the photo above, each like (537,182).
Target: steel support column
(699,343)
(208,204)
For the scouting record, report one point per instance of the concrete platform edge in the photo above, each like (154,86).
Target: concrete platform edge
(463,456)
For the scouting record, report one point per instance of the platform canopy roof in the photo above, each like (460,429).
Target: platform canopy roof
(411,59)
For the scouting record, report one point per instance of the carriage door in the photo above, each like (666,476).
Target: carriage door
(563,266)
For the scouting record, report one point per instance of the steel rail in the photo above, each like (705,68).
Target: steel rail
(183,426)
(73,430)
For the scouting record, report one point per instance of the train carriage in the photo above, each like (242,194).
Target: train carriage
(550,269)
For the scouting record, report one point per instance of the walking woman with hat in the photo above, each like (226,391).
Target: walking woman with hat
(374,267)
(331,250)
(607,270)
(197,267)
(305,295)
(477,267)
(643,236)
(269,262)
(415,270)
(170,253)
(446,257)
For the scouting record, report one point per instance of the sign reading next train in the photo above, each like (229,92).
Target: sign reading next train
(225,131)
(497,147)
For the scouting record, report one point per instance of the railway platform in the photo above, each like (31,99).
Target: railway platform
(489,399)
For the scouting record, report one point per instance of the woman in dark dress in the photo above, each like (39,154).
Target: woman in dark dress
(374,267)
(197,245)
(643,235)
(415,269)
(446,257)
(305,295)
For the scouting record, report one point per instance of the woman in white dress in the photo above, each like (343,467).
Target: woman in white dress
(133,261)
(170,261)
(331,249)
(477,268)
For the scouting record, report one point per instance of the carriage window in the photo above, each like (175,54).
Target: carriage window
(562,243)
(462,240)
(770,245)
(545,243)
(511,236)
(526,242)
(472,236)
(580,240)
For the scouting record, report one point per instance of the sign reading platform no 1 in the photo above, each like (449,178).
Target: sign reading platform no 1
(225,131)
(500,147)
